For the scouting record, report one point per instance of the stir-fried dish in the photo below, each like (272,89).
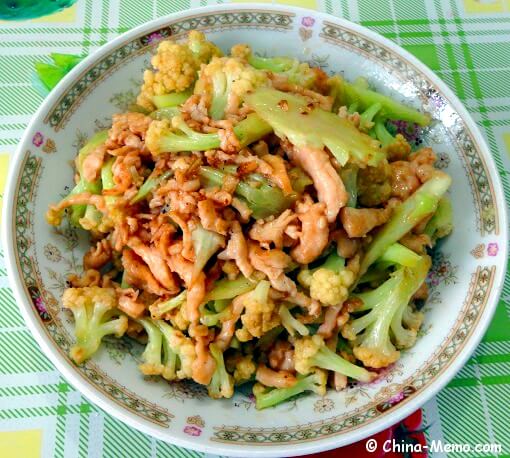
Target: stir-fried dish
(254,220)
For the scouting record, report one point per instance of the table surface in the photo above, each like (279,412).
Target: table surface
(466,42)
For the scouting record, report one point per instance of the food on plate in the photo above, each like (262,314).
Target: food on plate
(254,220)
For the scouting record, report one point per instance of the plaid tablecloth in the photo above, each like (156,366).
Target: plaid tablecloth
(466,42)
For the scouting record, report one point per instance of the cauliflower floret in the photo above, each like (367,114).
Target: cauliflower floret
(226,81)
(245,368)
(175,67)
(330,287)
(399,149)
(95,315)
(305,278)
(312,352)
(304,350)
(261,314)
(168,352)
(242,367)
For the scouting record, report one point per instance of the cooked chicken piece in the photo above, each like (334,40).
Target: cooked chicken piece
(278,173)
(281,356)
(272,263)
(417,243)
(403,179)
(271,230)
(127,129)
(139,275)
(187,242)
(314,234)
(277,379)
(96,257)
(195,298)
(345,246)
(358,222)
(91,277)
(243,209)
(237,250)
(330,188)
(203,366)
(92,163)
(157,264)
(210,218)
(129,304)
(228,326)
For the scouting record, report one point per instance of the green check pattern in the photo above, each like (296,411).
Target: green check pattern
(466,42)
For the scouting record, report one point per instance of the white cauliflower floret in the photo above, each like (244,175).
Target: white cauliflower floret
(261,314)
(176,67)
(226,80)
(95,315)
(330,287)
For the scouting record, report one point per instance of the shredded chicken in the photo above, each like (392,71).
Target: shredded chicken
(358,222)
(314,231)
(277,379)
(330,188)
(237,250)
(96,257)
(272,230)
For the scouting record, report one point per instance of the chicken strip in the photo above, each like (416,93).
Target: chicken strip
(330,188)
(139,275)
(314,235)
(237,250)
(271,230)
(358,222)
(272,263)
(156,263)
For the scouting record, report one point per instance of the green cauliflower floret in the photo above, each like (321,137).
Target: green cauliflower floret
(287,114)
(168,352)
(176,67)
(95,316)
(296,72)
(422,203)
(269,397)
(173,136)
(376,333)
(441,224)
(358,93)
(222,383)
(312,352)
(261,197)
(226,81)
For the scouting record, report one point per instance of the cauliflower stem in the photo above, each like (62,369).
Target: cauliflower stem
(358,92)
(287,113)
(263,198)
(312,352)
(228,289)
(163,137)
(408,214)
(267,397)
